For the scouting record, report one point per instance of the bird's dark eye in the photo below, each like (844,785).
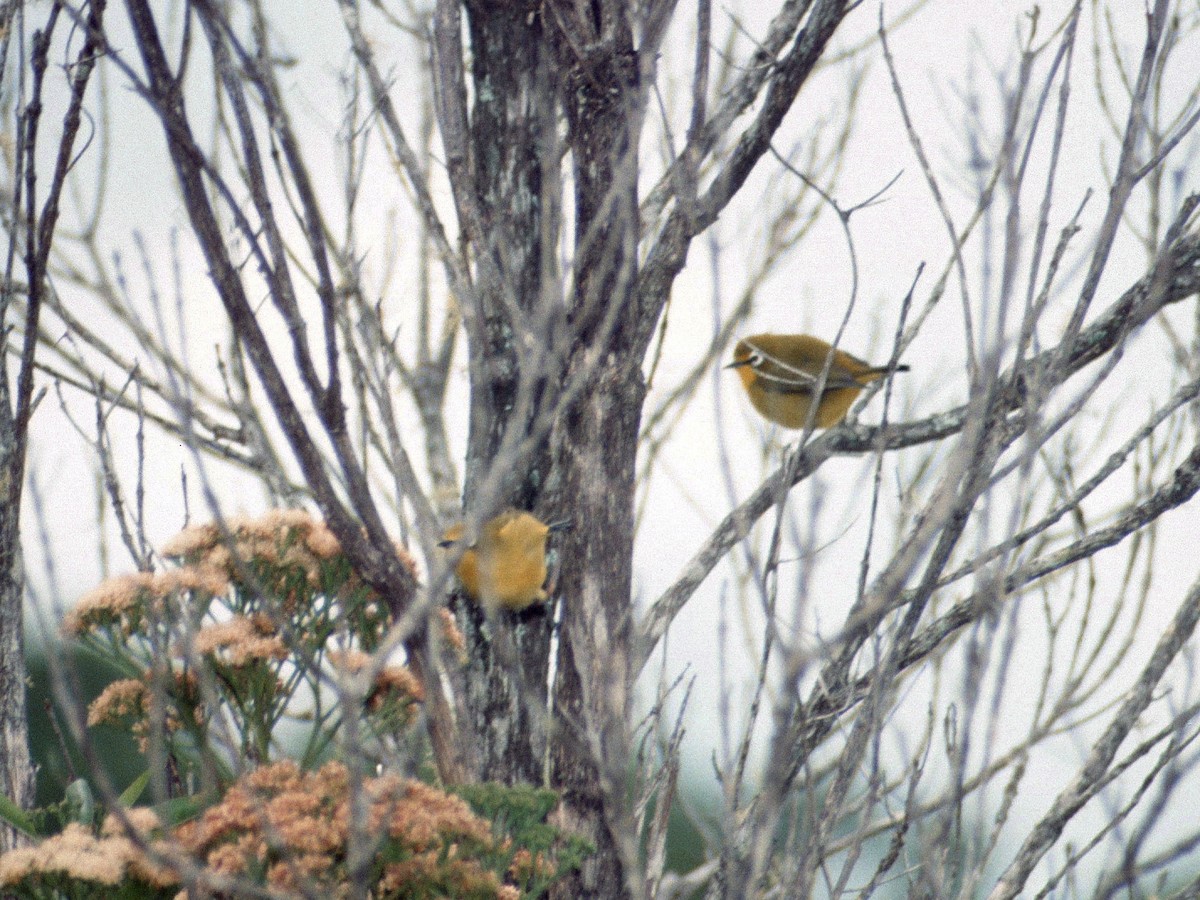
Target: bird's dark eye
(755,358)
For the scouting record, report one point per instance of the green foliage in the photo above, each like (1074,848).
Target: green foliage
(17,817)
(536,853)
(685,843)
(66,887)
(57,757)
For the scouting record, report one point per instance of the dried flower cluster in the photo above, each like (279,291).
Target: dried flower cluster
(391,685)
(294,827)
(453,637)
(286,829)
(124,603)
(285,552)
(527,866)
(77,855)
(240,641)
(261,538)
(129,703)
(246,622)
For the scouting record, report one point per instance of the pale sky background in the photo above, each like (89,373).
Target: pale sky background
(939,52)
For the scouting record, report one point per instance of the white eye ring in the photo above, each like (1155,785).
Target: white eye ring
(755,359)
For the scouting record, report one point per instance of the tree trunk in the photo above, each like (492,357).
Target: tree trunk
(590,754)
(16,406)
(596,454)
(506,678)
(16,769)
(526,60)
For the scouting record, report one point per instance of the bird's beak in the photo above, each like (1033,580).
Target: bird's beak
(560,525)
(737,364)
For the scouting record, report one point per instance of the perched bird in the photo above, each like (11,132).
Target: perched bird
(780,374)
(506,566)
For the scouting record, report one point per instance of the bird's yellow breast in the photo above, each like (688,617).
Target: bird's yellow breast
(507,565)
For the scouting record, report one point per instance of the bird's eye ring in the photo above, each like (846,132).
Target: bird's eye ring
(755,359)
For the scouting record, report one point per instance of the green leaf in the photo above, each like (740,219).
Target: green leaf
(81,802)
(180,809)
(16,817)
(133,793)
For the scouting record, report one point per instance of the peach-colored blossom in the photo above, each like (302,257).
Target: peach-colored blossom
(322,542)
(192,541)
(17,865)
(240,641)
(409,561)
(115,600)
(141,819)
(122,698)
(450,631)
(526,865)
(202,576)
(391,682)
(295,827)
(75,853)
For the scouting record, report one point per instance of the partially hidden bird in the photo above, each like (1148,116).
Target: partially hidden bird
(506,565)
(780,373)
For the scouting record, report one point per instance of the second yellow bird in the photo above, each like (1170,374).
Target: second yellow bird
(506,566)
(780,374)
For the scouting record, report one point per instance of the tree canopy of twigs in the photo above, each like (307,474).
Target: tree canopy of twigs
(464,295)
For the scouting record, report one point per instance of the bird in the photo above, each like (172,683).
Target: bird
(506,566)
(780,373)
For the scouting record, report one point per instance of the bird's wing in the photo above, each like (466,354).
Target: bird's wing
(790,380)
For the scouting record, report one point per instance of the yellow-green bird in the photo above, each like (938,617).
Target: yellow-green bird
(506,566)
(780,374)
